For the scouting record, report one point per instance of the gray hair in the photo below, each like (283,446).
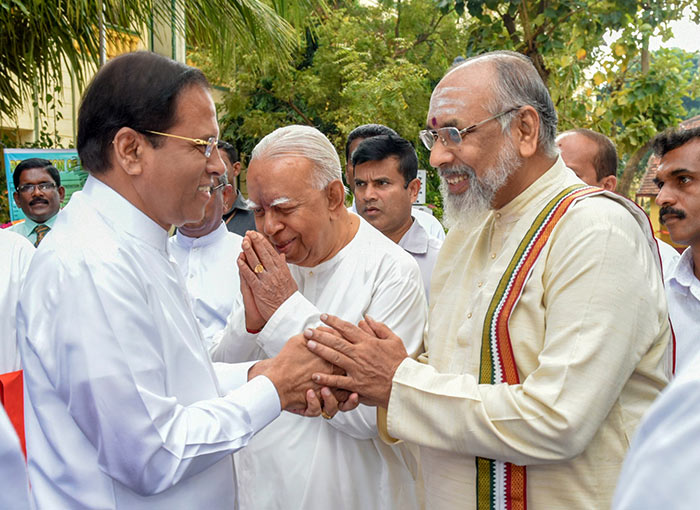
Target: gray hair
(302,142)
(519,84)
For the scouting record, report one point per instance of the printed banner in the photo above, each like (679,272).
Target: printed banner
(67,162)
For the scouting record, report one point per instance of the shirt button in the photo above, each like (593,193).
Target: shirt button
(469,315)
(191,276)
(498,215)
(311,273)
(493,255)
(479,284)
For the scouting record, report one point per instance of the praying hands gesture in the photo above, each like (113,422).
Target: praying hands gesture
(369,354)
(266,282)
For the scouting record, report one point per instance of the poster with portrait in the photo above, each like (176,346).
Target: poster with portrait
(66,161)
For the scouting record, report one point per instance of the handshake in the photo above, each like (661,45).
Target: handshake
(330,369)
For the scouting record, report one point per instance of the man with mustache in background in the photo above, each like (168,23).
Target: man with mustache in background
(547,330)
(661,468)
(678,179)
(39,194)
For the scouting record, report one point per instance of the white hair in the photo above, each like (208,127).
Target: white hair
(302,142)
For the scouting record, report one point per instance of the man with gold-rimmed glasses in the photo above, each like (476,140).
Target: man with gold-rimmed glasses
(124,408)
(541,353)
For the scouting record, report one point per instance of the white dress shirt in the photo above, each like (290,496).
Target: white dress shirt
(430,223)
(683,294)
(15,255)
(662,466)
(424,248)
(124,409)
(302,463)
(208,266)
(14,488)
(669,256)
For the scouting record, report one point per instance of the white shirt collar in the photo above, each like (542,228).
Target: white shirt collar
(212,237)
(415,240)
(122,215)
(683,275)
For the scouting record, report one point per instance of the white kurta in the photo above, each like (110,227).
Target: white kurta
(683,294)
(123,407)
(208,267)
(301,463)
(15,255)
(14,488)
(424,248)
(662,466)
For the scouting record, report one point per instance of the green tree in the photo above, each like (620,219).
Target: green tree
(38,37)
(619,89)
(357,64)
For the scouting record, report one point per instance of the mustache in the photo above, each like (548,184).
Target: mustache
(39,201)
(456,170)
(666,210)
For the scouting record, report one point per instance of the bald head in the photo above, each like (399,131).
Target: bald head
(592,156)
(504,80)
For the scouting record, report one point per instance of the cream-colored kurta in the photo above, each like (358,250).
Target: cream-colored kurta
(589,335)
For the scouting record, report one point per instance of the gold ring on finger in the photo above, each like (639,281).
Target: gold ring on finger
(258,269)
(325,415)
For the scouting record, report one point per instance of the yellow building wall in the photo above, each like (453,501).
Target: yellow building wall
(58,117)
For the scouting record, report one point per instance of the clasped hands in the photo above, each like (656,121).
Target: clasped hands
(358,362)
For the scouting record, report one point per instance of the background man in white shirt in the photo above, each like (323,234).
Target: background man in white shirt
(593,158)
(385,169)
(124,408)
(678,179)
(39,194)
(430,223)
(335,262)
(661,469)
(206,254)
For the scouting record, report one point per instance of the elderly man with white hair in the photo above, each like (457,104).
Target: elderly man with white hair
(311,256)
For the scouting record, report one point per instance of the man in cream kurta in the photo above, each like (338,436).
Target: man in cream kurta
(301,463)
(589,333)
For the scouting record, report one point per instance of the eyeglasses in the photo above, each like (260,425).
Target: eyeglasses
(43,186)
(451,135)
(210,143)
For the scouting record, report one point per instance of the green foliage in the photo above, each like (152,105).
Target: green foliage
(361,64)
(40,38)
(618,89)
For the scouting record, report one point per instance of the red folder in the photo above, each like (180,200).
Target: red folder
(12,399)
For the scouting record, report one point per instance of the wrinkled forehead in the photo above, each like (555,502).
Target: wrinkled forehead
(464,88)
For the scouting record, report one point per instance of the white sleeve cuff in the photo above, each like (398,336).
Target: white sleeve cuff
(259,397)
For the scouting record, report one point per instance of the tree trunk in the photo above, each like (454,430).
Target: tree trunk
(630,170)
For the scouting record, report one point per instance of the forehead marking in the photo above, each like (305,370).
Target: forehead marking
(447,101)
